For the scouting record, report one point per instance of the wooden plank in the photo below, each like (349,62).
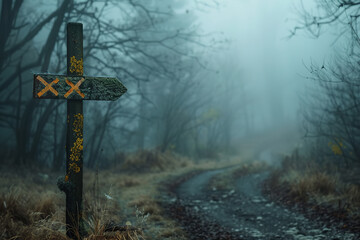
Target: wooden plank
(74,135)
(91,88)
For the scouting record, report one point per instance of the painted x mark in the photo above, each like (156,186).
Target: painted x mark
(48,86)
(75,87)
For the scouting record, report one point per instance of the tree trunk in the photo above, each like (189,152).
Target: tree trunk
(28,114)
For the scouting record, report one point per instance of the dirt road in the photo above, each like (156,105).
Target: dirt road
(242,213)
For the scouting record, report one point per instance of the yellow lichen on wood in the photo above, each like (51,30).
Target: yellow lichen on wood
(75,151)
(76,65)
(74,167)
(78,124)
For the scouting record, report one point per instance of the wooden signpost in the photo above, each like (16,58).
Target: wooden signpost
(74,87)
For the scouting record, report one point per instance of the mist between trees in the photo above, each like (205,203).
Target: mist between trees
(183,96)
(153,47)
(330,110)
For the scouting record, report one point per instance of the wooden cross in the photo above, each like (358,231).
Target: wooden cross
(74,87)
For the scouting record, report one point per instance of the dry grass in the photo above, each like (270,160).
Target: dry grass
(313,185)
(153,161)
(317,185)
(128,197)
(99,231)
(27,215)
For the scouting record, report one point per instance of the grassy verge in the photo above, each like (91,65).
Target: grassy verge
(319,189)
(121,203)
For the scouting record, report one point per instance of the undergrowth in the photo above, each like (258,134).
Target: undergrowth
(118,203)
(302,181)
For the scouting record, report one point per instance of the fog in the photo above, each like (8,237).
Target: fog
(179,119)
(248,72)
(270,63)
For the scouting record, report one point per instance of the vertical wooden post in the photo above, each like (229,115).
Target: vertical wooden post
(74,87)
(74,136)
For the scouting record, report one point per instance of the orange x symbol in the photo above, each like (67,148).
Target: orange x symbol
(74,87)
(48,86)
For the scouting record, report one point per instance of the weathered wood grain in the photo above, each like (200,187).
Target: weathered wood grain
(74,87)
(93,88)
(74,134)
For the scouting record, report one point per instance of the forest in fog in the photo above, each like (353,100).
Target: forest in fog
(257,87)
(187,90)
(157,51)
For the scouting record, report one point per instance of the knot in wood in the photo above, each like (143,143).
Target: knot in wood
(65,187)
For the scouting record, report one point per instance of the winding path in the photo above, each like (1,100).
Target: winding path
(245,213)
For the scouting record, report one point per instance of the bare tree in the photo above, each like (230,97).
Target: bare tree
(137,46)
(332,113)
